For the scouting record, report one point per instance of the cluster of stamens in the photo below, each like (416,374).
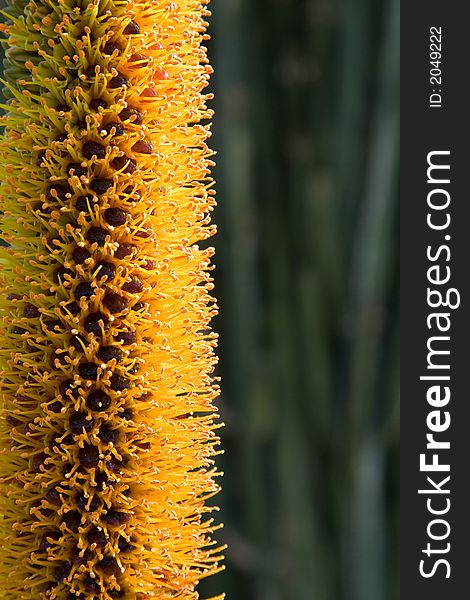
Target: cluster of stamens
(107,354)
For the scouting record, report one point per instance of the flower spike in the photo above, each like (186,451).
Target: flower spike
(107,422)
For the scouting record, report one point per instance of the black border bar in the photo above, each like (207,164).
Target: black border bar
(435,523)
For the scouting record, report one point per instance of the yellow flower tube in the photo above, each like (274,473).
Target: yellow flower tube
(108,427)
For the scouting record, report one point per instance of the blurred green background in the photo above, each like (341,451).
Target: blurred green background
(306,131)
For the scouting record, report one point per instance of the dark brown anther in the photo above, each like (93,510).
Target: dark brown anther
(98,401)
(82,33)
(91,149)
(55,441)
(101,186)
(85,503)
(58,358)
(98,103)
(96,536)
(80,255)
(38,462)
(82,126)
(41,208)
(110,47)
(115,216)
(72,519)
(106,434)
(22,400)
(77,169)
(60,441)
(67,469)
(108,566)
(61,573)
(130,194)
(91,585)
(131,190)
(142,147)
(106,269)
(78,422)
(46,543)
(126,337)
(84,290)
(126,414)
(96,235)
(55,407)
(30,311)
(134,286)
(143,233)
(78,342)
(124,164)
(90,72)
(125,546)
(61,137)
(61,191)
(119,81)
(12,421)
(59,275)
(138,306)
(118,383)
(125,250)
(95,322)
(17,330)
(55,325)
(102,480)
(54,243)
(72,307)
(133,370)
(115,466)
(131,114)
(115,303)
(89,456)
(88,371)
(80,557)
(118,129)
(107,353)
(114,517)
(148,265)
(53,496)
(40,157)
(139,58)
(68,389)
(131,28)
(86,203)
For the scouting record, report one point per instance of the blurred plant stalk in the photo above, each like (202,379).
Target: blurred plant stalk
(307,136)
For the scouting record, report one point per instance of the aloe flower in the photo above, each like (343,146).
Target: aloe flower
(107,428)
